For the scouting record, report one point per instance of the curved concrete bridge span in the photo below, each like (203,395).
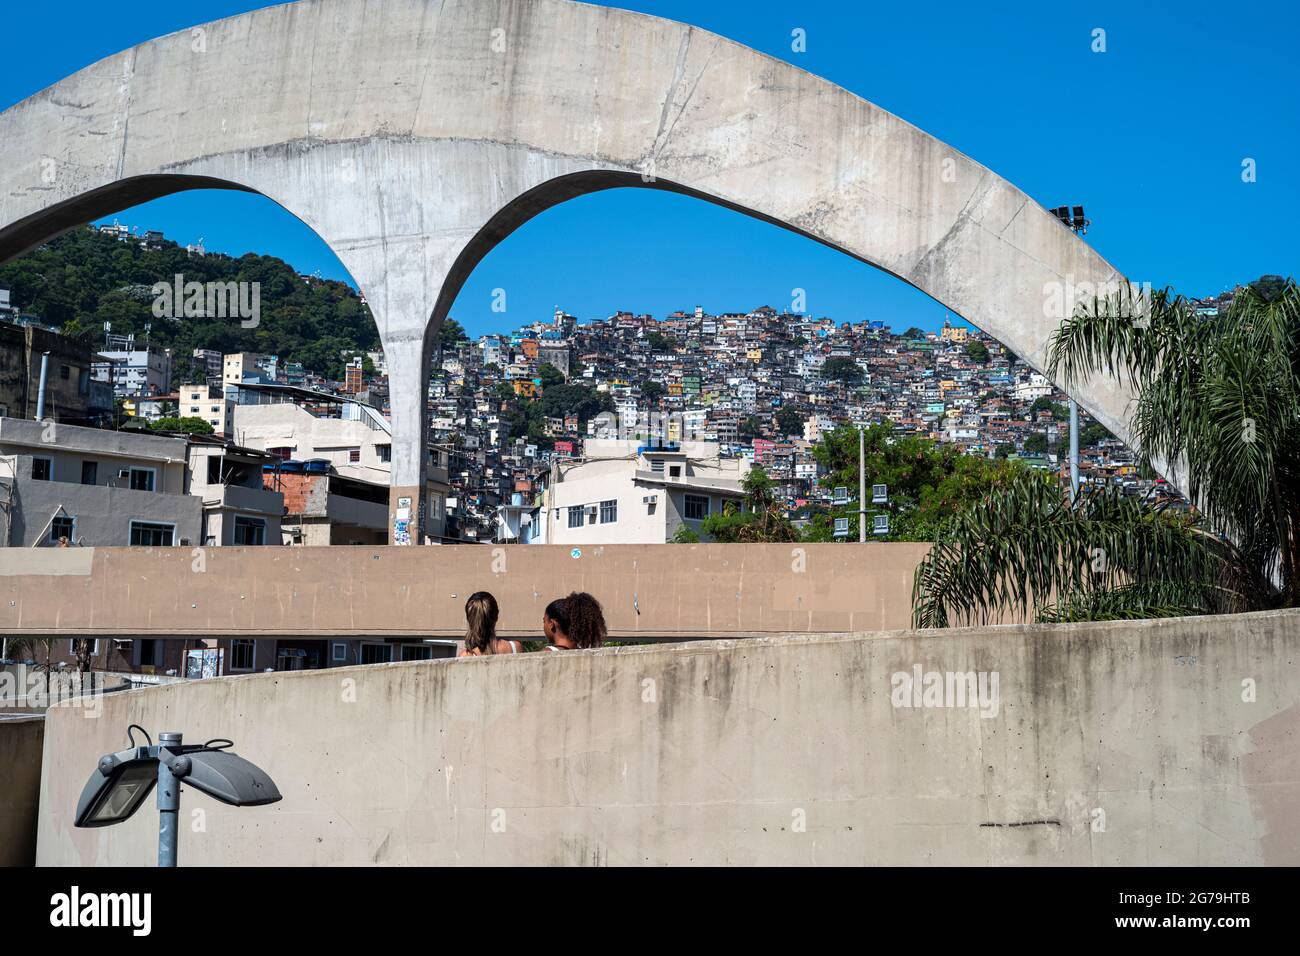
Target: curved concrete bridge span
(413,135)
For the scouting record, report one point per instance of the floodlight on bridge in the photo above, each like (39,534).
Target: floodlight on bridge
(123,781)
(1072,218)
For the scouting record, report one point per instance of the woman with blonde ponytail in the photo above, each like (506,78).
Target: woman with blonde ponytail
(481,632)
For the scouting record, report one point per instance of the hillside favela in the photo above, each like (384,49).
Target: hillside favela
(489,453)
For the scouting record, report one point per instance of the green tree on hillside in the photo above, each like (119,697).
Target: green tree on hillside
(190,425)
(840,368)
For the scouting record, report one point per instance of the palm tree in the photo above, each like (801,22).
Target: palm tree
(1218,403)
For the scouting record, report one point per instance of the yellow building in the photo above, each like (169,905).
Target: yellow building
(524,387)
(952,334)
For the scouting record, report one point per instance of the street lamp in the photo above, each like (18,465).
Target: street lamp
(1072,218)
(123,780)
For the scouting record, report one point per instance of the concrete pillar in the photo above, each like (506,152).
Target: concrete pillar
(408,356)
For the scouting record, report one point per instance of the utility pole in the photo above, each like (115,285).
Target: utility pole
(1072,218)
(862,488)
(1074,451)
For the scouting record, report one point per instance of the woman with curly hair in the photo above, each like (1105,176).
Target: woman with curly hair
(481,634)
(574,622)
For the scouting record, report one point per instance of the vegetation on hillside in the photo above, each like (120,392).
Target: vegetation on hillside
(85,278)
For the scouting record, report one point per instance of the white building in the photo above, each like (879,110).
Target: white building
(146,371)
(237,508)
(623,492)
(354,438)
(1033,388)
(198,401)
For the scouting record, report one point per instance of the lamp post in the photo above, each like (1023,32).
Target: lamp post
(862,488)
(1072,218)
(169,801)
(122,782)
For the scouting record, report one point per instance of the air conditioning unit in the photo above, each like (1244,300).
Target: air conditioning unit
(649,499)
(591,511)
(124,473)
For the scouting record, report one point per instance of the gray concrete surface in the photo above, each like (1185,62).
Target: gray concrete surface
(1150,742)
(668,590)
(414,135)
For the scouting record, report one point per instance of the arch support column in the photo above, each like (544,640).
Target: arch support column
(407,358)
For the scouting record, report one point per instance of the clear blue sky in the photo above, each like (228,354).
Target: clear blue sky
(1150,135)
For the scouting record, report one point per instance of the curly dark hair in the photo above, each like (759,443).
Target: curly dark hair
(580,618)
(481,616)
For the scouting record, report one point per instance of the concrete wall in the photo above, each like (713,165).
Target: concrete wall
(669,590)
(21,739)
(1111,744)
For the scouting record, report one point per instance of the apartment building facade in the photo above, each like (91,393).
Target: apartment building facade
(627,492)
(94,487)
(207,403)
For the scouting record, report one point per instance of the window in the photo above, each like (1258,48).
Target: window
(697,507)
(147,652)
(214,469)
(339,652)
(249,531)
(64,372)
(575,516)
(354,454)
(72,646)
(148,534)
(675,471)
(90,472)
(42,469)
(376,653)
(142,479)
(608,511)
(416,652)
(61,527)
(242,654)
(385,452)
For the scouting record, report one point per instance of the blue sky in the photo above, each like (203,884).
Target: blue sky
(1150,135)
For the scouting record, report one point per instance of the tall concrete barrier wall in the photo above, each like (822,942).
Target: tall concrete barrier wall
(20,783)
(669,590)
(1171,742)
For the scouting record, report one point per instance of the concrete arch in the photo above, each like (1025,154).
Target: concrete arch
(413,135)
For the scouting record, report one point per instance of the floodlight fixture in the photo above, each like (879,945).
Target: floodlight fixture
(123,781)
(879,494)
(1072,218)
